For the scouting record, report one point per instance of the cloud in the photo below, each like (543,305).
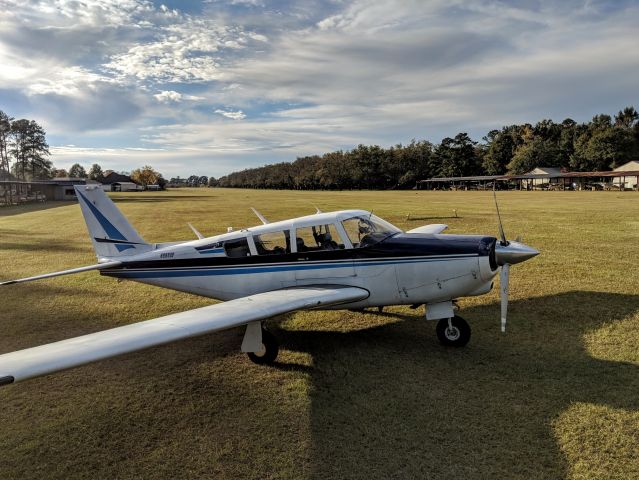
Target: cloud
(171,96)
(239,115)
(187,50)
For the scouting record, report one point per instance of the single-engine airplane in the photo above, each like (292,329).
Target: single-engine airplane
(349,259)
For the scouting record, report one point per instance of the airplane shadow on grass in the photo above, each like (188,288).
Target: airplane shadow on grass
(382,402)
(390,402)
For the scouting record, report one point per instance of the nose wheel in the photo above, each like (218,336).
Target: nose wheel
(269,351)
(453,332)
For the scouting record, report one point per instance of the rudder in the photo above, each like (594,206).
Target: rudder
(111,233)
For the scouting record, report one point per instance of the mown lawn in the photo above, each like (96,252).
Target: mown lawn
(353,395)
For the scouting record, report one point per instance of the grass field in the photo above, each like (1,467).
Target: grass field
(353,395)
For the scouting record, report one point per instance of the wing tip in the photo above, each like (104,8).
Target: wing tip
(8,380)
(8,282)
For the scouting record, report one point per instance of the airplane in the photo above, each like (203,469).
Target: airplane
(347,259)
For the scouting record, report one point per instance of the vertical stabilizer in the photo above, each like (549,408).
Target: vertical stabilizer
(111,233)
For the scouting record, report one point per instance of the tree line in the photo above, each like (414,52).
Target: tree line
(603,143)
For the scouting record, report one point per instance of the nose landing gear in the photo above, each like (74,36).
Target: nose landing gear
(453,332)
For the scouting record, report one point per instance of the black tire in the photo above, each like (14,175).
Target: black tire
(458,336)
(270,351)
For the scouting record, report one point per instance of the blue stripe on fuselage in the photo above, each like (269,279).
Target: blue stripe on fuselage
(214,250)
(199,272)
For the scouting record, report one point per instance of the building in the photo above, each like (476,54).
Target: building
(117,182)
(631,166)
(18,191)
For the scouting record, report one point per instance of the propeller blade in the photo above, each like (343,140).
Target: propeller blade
(504,275)
(501,228)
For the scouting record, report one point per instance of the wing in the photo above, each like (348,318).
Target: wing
(73,352)
(433,228)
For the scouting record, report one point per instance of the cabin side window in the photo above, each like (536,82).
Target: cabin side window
(272,243)
(318,237)
(237,247)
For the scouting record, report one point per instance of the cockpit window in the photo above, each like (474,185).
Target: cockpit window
(366,230)
(272,243)
(237,247)
(318,237)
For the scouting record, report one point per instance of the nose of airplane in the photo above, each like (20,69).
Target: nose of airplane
(514,252)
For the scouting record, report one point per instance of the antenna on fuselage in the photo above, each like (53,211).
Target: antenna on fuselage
(260,216)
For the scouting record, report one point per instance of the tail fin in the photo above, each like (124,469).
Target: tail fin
(112,235)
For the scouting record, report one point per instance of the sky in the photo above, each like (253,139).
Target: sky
(216,86)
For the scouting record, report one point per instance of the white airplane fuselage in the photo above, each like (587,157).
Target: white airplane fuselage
(403,268)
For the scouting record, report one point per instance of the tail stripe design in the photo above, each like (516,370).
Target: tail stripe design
(111,233)
(108,227)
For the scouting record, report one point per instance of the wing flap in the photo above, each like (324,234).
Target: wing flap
(73,352)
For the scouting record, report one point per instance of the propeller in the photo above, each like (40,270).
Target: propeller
(508,253)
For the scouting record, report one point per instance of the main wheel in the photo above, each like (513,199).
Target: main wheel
(453,332)
(269,351)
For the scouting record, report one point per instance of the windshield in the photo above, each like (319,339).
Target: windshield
(365,230)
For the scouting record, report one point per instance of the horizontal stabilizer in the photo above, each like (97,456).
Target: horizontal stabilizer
(73,352)
(99,266)
(434,228)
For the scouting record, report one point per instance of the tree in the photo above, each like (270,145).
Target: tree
(534,153)
(77,171)
(602,150)
(146,176)
(5,133)
(457,156)
(499,152)
(627,118)
(212,182)
(96,173)
(192,180)
(29,149)
(59,173)
(203,180)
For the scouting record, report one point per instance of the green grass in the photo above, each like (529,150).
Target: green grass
(353,395)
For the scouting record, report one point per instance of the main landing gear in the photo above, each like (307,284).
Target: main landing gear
(269,351)
(453,332)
